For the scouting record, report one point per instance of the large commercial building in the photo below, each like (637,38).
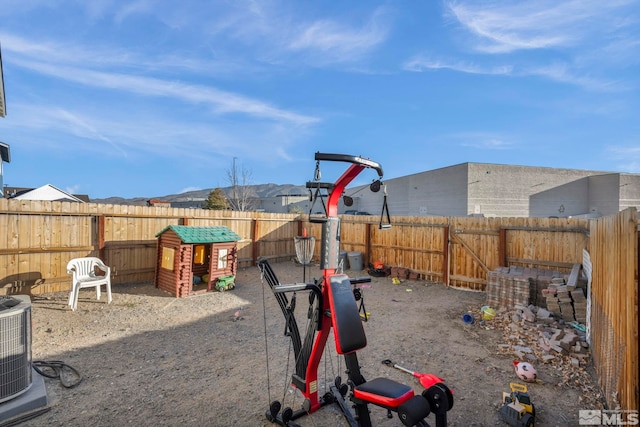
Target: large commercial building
(485,189)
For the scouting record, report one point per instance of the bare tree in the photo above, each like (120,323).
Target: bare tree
(240,194)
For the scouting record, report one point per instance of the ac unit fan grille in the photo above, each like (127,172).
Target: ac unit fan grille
(15,346)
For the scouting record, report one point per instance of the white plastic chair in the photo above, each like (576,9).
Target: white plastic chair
(84,276)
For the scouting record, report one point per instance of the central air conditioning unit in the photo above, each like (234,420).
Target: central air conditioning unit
(15,346)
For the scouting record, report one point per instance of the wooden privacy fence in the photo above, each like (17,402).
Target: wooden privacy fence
(38,238)
(614,325)
(460,251)
(41,237)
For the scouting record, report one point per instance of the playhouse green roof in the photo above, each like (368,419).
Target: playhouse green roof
(189,234)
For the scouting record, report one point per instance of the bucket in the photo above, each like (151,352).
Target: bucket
(468,318)
(488,313)
(355,261)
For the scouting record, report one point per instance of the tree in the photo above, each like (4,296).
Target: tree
(296,210)
(217,200)
(240,194)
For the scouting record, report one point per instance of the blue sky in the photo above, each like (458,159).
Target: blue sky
(148,98)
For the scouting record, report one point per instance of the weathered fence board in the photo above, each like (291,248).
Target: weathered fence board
(614,311)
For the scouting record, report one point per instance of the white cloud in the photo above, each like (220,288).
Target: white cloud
(109,57)
(564,73)
(558,72)
(421,63)
(484,140)
(188,189)
(220,101)
(628,157)
(133,8)
(505,27)
(73,189)
(337,42)
(579,41)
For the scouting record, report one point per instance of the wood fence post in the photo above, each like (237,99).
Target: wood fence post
(101,251)
(254,242)
(445,260)
(502,247)
(367,245)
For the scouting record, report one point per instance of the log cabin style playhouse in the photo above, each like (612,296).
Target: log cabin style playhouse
(193,260)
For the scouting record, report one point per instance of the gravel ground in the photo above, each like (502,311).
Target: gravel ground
(151,359)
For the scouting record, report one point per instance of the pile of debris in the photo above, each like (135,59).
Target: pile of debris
(542,315)
(534,334)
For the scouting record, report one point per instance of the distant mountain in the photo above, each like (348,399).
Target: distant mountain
(260,191)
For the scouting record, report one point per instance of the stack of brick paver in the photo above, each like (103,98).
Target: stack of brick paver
(541,281)
(579,305)
(508,287)
(521,291)
(566,303)
(558,300)
(567,300)
(494,285)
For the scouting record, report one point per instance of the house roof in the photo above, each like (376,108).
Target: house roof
(47,192)
(191,234)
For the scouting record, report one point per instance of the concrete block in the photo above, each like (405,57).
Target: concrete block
(542,313)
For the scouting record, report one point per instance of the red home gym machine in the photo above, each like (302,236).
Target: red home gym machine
(333,305)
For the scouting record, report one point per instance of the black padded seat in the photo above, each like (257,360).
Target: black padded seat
(383,392)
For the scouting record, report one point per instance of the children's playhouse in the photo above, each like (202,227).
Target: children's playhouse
(192,260)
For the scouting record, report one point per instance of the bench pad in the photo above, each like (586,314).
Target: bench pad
(383,392)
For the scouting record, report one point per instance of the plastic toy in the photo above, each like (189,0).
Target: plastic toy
(517,409)
(525,371)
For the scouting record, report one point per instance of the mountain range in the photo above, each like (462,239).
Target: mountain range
(258,191)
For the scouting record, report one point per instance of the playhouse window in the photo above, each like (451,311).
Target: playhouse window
(168,255)
(222,258)
(198,257)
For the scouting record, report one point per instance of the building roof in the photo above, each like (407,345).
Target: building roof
(46,192)
(191,234)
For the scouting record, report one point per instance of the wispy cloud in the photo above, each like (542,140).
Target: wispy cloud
(572,37)
(339,42)
(112,133)
(132,8)
(220,101)
(563,73)
(558,72)
(116,58)
(55,121)
(422,63)
(628,157)
(219,122)
(72,189)
(503,28)
(482,140)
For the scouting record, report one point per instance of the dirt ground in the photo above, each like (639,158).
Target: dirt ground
(151,359)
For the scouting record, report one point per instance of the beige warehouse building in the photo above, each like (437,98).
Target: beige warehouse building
(485,189)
